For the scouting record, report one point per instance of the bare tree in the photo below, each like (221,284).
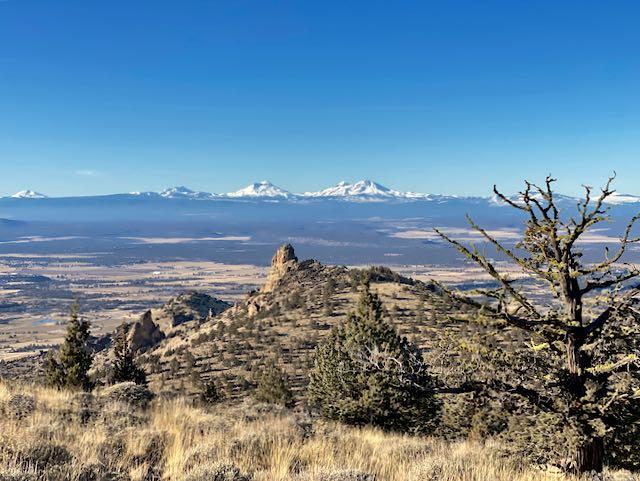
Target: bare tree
(590,316)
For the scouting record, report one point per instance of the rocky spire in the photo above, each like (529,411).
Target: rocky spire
(144,333)
(283,255)
(283,261)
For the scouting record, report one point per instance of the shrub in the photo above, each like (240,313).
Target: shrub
(365,373)
(128,392)
(19,406)
(623,441)
(44,454)
(342,475)
(215,472)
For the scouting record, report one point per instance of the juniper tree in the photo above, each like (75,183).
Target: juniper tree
(365,373)
(273,385)
(577,378)
(124,366)
(327,292)
(210,393)
(69,367)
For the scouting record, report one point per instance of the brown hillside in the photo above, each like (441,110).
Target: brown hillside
(285,319)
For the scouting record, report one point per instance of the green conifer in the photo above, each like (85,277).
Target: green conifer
(69,369)
(273,386)
(365,373)
(124,366)
(210,393)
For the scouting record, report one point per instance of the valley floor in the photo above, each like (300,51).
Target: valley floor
(34,305)
(52,435)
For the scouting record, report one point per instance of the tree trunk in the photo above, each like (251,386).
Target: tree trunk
(589,456)
(575,367)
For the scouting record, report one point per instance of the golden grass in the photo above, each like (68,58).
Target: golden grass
(174,440)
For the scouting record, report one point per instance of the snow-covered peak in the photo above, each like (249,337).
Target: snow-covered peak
(28,194)
(264,189)
(364,189)
(361,188)
(617,199)
(182,192)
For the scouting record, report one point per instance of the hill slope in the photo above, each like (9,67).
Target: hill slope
(298,304)
(195,337)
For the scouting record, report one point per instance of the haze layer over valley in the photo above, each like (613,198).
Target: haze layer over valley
(360,223)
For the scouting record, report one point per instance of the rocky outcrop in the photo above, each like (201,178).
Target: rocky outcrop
(157,324)
(144,333)
(189,306)
(283,261)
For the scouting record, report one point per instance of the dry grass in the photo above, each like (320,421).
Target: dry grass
(46,434)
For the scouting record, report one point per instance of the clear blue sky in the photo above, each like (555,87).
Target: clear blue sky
(446,96)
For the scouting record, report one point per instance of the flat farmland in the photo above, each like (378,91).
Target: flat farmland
(37,291)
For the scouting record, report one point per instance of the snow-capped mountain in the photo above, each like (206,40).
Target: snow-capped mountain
(264,189)
(182,192)
(28,194)
(362,187)
(617,199)
(365,190)
(570,201)
(178,192)
(137,193)
(361,191)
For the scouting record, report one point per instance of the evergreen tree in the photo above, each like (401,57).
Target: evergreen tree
(365,373)
(327,293)
(124,366)
(53,372)
(69,369)
(568,366)
(210,393)
(273,386)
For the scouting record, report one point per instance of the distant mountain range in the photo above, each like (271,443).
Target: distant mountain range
(361,191)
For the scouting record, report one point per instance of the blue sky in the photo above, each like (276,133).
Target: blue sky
(100,97)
